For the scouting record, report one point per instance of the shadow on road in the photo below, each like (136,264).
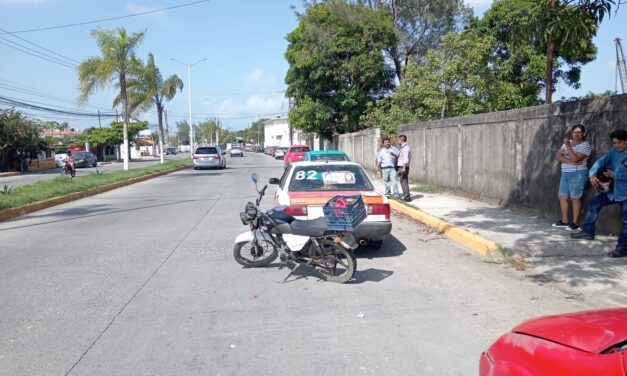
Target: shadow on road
(392,247)
(84,212)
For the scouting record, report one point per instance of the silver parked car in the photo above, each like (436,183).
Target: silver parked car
(279,153)
(84,159)
(208,157)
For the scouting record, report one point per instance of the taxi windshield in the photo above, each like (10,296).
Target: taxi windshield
(329,178)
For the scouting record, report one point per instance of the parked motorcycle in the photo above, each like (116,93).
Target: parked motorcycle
(68,167)
(304,242)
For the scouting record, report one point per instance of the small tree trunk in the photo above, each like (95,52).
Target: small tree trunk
(550,48)
(160,117)
(550,52)
(124,98)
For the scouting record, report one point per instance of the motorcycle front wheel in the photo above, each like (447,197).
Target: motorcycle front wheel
(340,266)
(250,256)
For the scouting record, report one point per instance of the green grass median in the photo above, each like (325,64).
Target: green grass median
(64,185)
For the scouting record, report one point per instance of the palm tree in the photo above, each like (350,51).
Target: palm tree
(117,65)
(149,89)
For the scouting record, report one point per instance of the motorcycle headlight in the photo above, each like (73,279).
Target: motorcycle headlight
(243,217)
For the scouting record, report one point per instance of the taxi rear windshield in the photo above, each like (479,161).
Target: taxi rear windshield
(329,178)
(328,157)
(206,151)
(299,150)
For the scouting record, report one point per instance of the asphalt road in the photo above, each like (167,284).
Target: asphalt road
(35,176)
(141,281)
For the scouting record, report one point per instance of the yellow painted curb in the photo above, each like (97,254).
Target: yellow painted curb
(13,173)
(40,205)
(465,238)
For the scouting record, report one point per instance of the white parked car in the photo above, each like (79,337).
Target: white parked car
(59,158)
(236,151)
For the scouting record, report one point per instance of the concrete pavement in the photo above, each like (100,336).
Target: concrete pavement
(529,243)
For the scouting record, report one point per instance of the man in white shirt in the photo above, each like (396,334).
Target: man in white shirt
(404,159)
(386,165)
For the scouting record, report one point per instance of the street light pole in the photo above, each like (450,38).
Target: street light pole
(189,97)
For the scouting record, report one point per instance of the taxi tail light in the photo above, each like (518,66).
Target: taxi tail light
(379,209)
(296,210)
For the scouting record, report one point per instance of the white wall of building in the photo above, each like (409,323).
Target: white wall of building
(277,133)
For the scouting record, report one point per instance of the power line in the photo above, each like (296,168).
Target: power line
(41,57)
(8,86)
(107,19)
(59,110)
(70,60)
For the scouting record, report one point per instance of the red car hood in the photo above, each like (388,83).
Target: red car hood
(591,331)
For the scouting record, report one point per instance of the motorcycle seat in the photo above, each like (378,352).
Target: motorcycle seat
(312,228)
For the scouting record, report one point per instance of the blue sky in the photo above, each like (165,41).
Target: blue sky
(243,42)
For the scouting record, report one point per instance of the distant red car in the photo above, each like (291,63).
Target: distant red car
(295,153)
(581,343)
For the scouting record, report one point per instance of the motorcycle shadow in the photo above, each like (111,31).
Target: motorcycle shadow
(306,272)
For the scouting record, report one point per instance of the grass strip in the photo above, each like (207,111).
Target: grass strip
(64,185)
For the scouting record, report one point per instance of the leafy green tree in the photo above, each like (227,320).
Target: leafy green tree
(19,137)
(117,64)
(149,88)
(565,29)
(337,67)
(421,25)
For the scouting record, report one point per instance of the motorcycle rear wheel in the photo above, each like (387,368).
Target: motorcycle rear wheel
(243,254)
(340,266)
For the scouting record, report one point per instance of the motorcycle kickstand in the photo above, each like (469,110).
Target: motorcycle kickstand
(298,264)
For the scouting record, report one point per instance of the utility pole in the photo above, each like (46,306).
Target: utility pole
(290,105)
(99,125)
(167,128)
(189,91)
(621,69)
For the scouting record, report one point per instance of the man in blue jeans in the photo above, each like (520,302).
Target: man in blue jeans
(615,164)
(386,164)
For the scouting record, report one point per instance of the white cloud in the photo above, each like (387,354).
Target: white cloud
(258,77)
(479,3)
(254,105)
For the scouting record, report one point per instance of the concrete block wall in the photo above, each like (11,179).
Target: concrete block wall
(509,156)
(361,146)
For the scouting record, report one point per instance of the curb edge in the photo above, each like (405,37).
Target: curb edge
(475,242)
(40,205)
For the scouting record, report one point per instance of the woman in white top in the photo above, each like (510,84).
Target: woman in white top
(573,156)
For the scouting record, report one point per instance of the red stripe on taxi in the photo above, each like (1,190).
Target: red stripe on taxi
(321,198)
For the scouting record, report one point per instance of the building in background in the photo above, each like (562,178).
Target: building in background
(277,133)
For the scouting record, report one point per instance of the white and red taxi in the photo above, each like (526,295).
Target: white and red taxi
(305,187)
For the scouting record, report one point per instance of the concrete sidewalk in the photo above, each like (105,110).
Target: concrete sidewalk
(529,243)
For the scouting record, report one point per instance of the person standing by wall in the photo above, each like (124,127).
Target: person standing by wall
(404,160)
(386,165)
(573,156)
(614,165)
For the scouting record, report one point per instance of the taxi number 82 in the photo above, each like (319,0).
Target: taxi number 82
(309,175)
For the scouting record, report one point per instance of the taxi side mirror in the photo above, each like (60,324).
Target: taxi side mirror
(274,181)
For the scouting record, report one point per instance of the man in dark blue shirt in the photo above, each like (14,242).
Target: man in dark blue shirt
(615,165)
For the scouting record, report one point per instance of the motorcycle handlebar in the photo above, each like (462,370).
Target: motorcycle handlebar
(261,193)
